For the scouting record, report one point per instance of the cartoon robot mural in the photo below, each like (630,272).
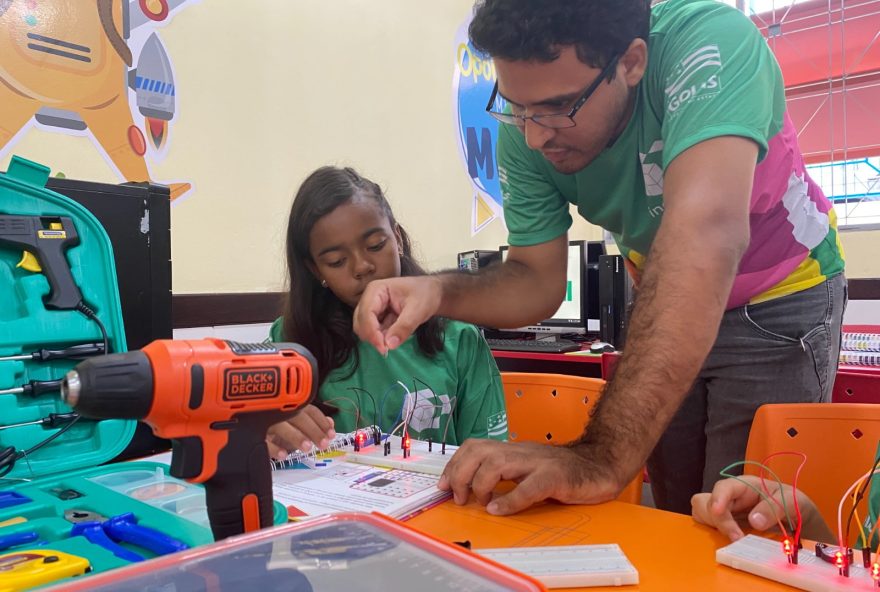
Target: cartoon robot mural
(68,66)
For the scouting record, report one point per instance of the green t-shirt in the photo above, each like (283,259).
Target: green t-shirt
(710,74)
(460,386)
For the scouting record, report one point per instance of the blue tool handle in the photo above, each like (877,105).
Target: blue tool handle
(11,498)
(20,538)
(94,533)
(126,529)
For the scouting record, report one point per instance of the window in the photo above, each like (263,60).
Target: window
(829,52)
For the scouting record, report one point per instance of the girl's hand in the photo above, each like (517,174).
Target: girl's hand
(732,504)
(307,429)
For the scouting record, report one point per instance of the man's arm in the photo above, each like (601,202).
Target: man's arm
(682,296)
(528,287)
(684,289)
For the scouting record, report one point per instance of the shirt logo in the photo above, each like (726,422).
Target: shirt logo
(497,424)
(652,169)
(697,77)
(424,409)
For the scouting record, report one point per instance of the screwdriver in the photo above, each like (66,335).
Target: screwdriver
(53,420)
(34,388)
(75,352)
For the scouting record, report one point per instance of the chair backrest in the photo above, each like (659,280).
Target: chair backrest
(839,440)
(554,409)
(854,386)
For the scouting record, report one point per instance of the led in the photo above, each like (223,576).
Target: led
(786,546)
(838,559)
(875,571)
(361,439)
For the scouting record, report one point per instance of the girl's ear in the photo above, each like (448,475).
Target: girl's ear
(313,268)
(399,238)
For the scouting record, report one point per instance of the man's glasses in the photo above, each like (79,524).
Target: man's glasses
(552,120)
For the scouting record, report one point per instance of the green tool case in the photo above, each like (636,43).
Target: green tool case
(64,476)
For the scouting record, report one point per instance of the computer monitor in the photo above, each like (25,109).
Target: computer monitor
(476,260)
(579,311)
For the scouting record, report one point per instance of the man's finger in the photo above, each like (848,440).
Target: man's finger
(460,470)
(406,323)
(530,491)
(372,307)
(486,477)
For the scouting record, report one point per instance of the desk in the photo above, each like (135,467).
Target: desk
(685,562)
(576,365)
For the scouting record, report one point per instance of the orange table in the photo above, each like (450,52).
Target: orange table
(670,551)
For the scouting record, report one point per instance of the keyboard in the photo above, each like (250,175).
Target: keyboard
(540,346)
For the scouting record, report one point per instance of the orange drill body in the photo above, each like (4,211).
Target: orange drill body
(231,384)
(215,400)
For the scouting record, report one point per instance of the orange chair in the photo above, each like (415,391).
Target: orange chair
(554,409)
(840,441)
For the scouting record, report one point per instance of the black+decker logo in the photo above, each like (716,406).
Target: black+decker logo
(251,383)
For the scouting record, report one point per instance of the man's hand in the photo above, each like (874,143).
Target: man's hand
(525,289)
(307,429)
(733,504)
(390,310)
(540,471)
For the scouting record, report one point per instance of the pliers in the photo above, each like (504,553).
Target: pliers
(108,532)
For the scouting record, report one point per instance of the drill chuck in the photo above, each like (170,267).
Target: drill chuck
(116,386)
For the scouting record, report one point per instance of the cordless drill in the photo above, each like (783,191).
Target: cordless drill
(215,400)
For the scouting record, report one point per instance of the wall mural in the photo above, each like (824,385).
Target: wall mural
(477,132)
(93,68)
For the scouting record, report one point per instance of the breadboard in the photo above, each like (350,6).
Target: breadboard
(420,459)
(764,557)
(570,566)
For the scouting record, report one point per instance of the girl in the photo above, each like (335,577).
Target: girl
(442,383)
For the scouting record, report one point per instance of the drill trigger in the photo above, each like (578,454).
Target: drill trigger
(187,454)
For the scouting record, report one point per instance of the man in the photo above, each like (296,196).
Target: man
(667,127)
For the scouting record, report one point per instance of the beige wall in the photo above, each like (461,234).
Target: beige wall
(270,91)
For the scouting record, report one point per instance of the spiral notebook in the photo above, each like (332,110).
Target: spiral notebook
(342,479)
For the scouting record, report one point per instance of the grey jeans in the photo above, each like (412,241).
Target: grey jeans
(782,351)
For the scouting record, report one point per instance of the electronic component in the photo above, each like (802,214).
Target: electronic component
(354,439)
(760,556)
(568,566)
(414,457)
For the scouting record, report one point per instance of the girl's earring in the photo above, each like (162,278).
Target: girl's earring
(323,283)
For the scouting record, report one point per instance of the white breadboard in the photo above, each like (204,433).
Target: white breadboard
(572,566)
(419,460)
(764,557)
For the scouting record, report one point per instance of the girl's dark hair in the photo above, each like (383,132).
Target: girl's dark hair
(313,316)
(536,30)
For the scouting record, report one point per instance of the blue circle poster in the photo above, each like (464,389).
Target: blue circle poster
(476,130)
